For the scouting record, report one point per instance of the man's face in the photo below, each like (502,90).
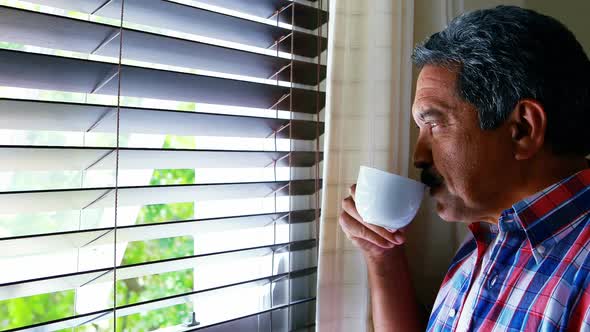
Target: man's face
(468,170)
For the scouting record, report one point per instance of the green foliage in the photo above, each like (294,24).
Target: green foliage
(165,212)
(35,309)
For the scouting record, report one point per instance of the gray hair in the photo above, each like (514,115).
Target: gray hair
(507,54)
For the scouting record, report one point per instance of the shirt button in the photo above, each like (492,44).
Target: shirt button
(452,313)
(493,280)
(541,250)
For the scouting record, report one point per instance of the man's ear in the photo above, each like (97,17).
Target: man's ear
(528,124)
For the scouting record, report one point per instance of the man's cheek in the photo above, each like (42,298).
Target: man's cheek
(455,178)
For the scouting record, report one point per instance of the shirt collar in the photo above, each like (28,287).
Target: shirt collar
(551,214)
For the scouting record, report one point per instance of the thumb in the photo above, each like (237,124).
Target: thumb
(352,190)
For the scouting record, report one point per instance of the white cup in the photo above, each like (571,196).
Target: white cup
(387,200)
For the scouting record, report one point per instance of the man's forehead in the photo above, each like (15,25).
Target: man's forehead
(435,89)
(438,78)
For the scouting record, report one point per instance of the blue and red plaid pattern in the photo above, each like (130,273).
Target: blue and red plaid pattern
(537,274)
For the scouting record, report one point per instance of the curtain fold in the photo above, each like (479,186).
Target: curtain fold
(368,123)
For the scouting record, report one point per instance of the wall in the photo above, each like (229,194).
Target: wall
(573,13)
(479,4)
(432,241)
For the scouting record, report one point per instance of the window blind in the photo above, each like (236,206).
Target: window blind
(160,164)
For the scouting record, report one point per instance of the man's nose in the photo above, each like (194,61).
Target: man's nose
(423,152)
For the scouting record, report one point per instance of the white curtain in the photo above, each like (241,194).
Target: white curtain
(368,123)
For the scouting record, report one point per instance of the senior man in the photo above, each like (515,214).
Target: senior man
(503,107)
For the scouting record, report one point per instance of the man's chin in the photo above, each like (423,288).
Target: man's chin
(443,207)
(443,213)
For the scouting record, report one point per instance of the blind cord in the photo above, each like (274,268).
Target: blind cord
(117,165)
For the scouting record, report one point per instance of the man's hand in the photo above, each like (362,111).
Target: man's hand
(376,242)
(392,296)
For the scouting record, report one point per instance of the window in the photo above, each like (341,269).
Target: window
(160,164)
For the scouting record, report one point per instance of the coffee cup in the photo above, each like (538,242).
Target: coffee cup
(386,199)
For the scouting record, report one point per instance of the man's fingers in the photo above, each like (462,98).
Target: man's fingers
(367,246)
(350,208)
(354,229)
(353,190)
(391,236)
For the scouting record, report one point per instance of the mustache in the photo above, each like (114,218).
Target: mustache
(430,177)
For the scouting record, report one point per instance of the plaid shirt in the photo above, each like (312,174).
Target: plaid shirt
(537,274)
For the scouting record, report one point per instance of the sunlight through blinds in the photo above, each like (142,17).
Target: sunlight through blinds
(161,164)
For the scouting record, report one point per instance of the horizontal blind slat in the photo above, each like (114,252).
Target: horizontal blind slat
(60,116)
(143,307)
(305,16)
(28,70)
(67,323)
(44,243)
(78,199)
(232,324)
(193,20)
(105,314)
(27,158)
(57,32)
(57,283)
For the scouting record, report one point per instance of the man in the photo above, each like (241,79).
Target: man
(502,104)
